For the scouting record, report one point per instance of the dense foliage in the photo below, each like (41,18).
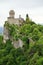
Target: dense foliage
(29,54)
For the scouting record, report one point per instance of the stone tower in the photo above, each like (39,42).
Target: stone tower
(12,20)
(12,13)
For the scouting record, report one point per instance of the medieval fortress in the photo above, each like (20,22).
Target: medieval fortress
(12,20)
(17,21)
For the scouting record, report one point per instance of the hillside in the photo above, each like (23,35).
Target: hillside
(31,53)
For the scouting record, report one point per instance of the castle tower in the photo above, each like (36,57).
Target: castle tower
(12,13)
(12,20)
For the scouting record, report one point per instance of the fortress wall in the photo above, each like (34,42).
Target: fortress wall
(13,21)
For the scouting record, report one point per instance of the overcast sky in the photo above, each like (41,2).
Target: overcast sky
(33,7)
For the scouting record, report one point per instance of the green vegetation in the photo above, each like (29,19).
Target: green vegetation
(29,54)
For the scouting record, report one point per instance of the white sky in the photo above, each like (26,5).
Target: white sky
(33,7)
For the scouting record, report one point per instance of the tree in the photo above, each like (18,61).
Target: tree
(40,61)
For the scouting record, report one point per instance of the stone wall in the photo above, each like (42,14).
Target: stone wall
(18,43)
